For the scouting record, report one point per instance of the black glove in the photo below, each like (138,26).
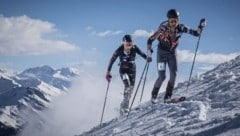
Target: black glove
(151,50)
(202,23)
(108,76)
(149,59)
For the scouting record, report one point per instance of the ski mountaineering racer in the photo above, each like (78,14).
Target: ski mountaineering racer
(168,35)
(126,53)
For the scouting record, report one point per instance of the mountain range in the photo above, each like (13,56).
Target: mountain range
(31,90)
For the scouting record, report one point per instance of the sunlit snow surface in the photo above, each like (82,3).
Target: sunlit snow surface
(212,108)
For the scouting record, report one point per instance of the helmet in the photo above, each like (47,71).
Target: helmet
(127,38)
(173,13)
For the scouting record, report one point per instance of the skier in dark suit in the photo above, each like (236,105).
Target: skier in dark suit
(126,52)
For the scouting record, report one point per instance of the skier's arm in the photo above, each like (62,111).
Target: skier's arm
(197,32)
(113,59)
(152,38)
(138,51)
(188,30)
(156,34)
(161,29)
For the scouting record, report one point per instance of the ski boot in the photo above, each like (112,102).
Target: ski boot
(124,111)
(154,100)
(167,100)
(154,95)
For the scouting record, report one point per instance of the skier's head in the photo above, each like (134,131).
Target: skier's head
(127,42)
(127,38)
(173,13)
(173,17)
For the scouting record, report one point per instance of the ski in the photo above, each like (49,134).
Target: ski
(177,100)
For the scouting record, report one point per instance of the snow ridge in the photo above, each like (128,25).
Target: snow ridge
(212,107)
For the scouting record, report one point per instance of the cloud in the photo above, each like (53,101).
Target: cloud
(26,36)
(106,33)
(5,65)
(207,67)
(142,33)
(89,63)
(136,33)
(211,58)
(79,110)
(83,64)
(89,28)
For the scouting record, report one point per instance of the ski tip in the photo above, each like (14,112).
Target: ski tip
(182,98)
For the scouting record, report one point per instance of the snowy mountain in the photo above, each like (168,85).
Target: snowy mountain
(57,78)
(31,91)
(212,108)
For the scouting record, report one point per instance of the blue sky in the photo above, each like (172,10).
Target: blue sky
(85,33)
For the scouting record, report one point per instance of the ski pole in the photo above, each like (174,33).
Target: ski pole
(105,102)
(137,89)
(144,81)
(193,61)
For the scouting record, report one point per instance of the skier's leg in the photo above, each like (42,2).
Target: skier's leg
(126,93)
(158,83)
(126,98)
(132,76)
(172,64)
(161,66)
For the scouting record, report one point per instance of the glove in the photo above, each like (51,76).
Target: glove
(202,23)
(149,59)
(108,76)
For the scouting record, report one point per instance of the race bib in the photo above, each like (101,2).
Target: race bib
(125,77)
(161,66)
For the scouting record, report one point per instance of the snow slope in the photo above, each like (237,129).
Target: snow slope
(212,108)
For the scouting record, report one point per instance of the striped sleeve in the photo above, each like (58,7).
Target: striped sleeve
(185,29)
(161,29)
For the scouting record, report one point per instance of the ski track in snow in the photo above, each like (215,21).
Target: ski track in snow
(203,111)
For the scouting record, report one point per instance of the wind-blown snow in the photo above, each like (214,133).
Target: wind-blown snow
(76,111)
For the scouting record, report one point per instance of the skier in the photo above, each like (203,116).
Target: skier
(168,35)
(126,53)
